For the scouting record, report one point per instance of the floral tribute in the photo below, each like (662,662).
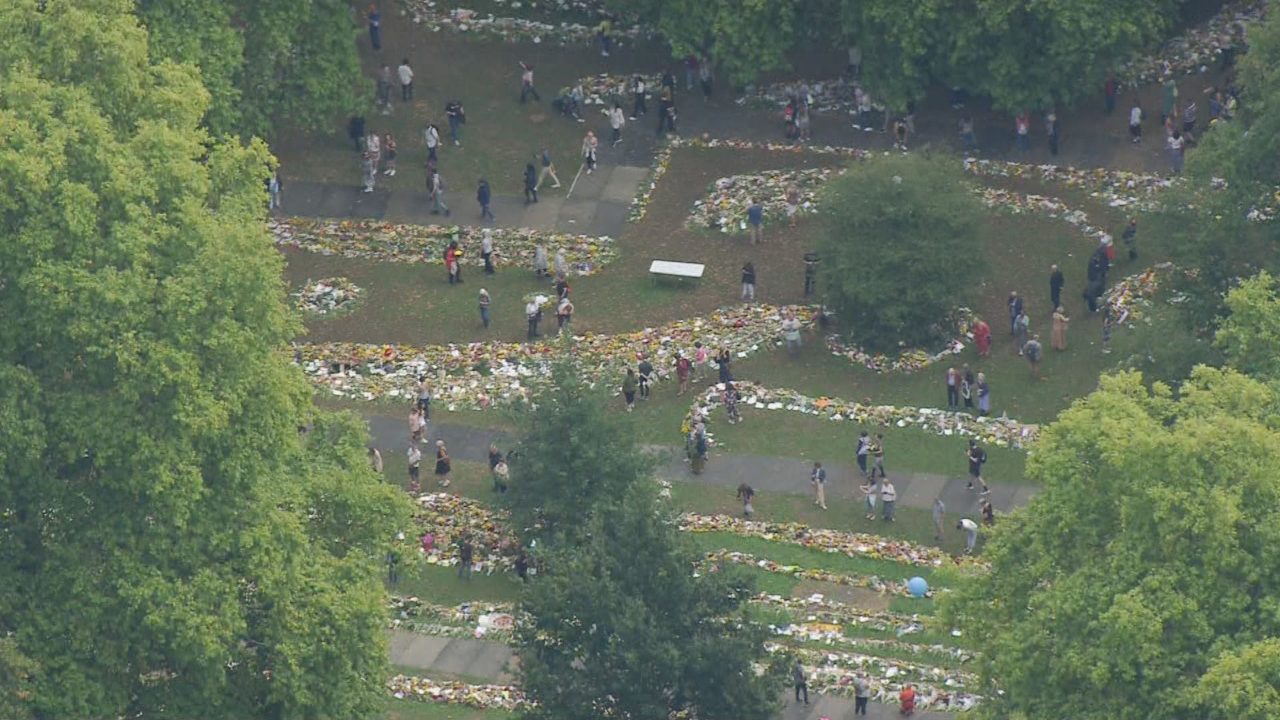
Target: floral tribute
(330,296)
(434,15)
(725,208)
(1198,48)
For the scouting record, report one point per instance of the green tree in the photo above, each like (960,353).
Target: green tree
(264,63)
(1148,552)
(172,544)
(898,247)
(1242,684)
(1250,335)
(617,623)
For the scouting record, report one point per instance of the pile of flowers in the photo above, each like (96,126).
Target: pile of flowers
(479,375)
(1018,203)
(605,89)
(1198,48)
(725,208)
(493,621)
(826,95)
(912,360)
(330,296)
(453,692)
(1128,298)
(816,609)
(833,672)
(870,582)
(1117,188)
(394,242)
(850,544)
(449,518)
(518,29)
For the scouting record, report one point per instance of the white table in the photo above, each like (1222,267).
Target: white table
(670,268)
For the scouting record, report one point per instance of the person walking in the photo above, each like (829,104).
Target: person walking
(801,684)
(466,557)
(861,693)
(745,494)
(384,88)
(375,27)
(487,251)
(864,449)
(1059,336)
(369,169)
(977,457)
(818,479)
(1056,281)
(984,396)
(877,454)
(755,220)
(1135,122)
(484,308)
(526,83)
(589,146)
(1189,115)
(749,281)
(629,384)
(646,376)
(952,379)
(431,135)
(970,529)
(415,469)
(424,397)
(939,512)
(389,153)
(457,117)
(1033,352)
(437,195)
(530,184)
(617,119)
(1015,309)
(373,142)
(888,498)
(982,337)
(405,73)
(1177,150)
(484,196)
(548,168)
(533,313)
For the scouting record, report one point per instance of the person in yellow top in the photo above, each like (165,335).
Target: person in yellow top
(603,32)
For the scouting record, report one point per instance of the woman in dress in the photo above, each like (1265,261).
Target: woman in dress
(1060,321)
(982,337)
(442,464)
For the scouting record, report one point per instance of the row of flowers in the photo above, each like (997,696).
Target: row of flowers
(479,375)
(823,95)
(493,621)
(718,558)
(912,360)
(455,692)
(396,242)
(605,89)
(1196,49)
(330,296)
(426,14)
(1116,188)
(832,672)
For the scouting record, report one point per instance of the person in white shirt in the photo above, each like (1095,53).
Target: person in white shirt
(533,313)
(406,80)
(1135,122)
(970,529)
(415,464)
(432,136)
(616,121)
(888,498)
(589,145)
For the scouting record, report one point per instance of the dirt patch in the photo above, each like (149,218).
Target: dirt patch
(855,596)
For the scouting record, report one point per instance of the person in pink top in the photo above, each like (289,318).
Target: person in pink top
(701,360)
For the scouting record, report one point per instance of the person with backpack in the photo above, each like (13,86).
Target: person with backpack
(977,457)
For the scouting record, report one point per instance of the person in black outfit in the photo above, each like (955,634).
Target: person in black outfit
(1056,281)
(530,184)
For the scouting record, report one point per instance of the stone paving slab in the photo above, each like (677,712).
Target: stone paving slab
(413,649)
(623,183)
(459,655)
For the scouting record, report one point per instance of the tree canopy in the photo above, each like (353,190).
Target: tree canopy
(900,247)
(263,63)
(617,623)
(172,544)
(1146,562)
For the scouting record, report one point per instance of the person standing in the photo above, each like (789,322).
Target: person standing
(953,387)
(1177,149)
(801,684)
(755,220)
(540,261)
(443,464)
(1109,89)
(533,313)
(638,91)
(384,88)
(373,142)
(939,512)
(375,27)
(888,498)
(1021,330)
(564,314)
(484,308)
(1022,131)
(437,194)
(457,117)
(561,266)
(1189,115)
(877,453)
(389,148)
(452,262)
(982,337)
(967,138)
(1033,352)
(589,146)
(792,199)
(432,138)
(646,376)
(415,469)
(861,693)
(987,511)
(548,168)
(1130,238)
(375,459)
(526,83)
(966,388)
(730,400)
(683,367)
(405,72)
(1015,309)
(1056,281)
(484,196)
(617,119)
(273,191)
(1135,121)
(791,331)
(629,389)
(745,494)
(984,396)
(424,397)
(1168,98)
(818,478)
(705,78)
(749,281)
(466,556)
(530,184)
(1059,336)
(723,361)
(864,449)
(870,492)
(977,457)
(970,529)
(701,359)
(369,169)
(1051,128)
(486,251)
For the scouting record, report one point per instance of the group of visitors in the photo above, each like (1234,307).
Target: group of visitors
(963,386)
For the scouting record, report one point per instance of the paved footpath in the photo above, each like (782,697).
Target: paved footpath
(764,473)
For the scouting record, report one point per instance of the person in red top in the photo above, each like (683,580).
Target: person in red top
(683,366)
(982,336)
(1109,248)
(451,254)
(907,700)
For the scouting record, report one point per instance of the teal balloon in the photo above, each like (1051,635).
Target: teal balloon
(917,587)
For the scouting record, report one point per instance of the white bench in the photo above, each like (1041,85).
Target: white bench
(669,268)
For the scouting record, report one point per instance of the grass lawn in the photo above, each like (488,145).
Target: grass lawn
(415,710)
(442,586)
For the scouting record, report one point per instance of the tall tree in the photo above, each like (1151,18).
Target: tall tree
(618,624)
(1250,334)
(264,63)
(897,246)
(172,544)
(1149,552)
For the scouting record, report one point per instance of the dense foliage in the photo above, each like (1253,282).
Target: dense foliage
(172,544)
(618,623)
(1145,564)
(900,248)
